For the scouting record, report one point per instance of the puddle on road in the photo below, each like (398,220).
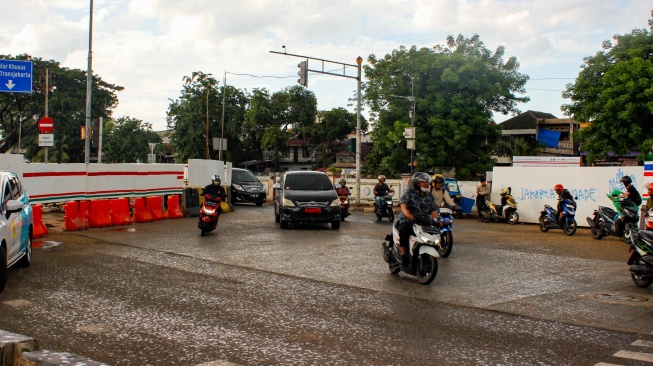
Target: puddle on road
(126,229)
(45,244)
(16,303)
(616,298)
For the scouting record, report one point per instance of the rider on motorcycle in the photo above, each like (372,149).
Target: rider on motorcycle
(563,194)
(416,201)
(342,189)
(380,190)
(440,194)
(215,189)
(630,197)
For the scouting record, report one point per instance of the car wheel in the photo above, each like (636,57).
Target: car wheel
(283,224)
(3,268)
(27,258)
(335,225)
(259,203)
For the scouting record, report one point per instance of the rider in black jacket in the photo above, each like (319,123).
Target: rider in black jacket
(215,189)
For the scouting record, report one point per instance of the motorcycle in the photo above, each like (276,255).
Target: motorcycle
(344,206)
(549,218)
(385,210)
(446,235)
(603,222)
(507,213)
(648,222)
(209,213)
(641,259)
(423,250)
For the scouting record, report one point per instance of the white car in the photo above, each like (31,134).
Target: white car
(16,225)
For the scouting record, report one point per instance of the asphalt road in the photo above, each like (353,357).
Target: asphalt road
(251,293)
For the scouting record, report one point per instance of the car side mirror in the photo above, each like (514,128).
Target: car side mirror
(276,186)
(13,206)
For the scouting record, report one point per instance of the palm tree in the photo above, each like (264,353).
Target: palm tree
(521,147)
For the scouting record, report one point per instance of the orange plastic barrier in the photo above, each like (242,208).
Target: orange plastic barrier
(141,212)
(174,210)
(40,230)
(75,215)
(98,213)
(155,205)
(119,209)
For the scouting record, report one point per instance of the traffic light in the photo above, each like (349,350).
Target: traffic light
(303,73)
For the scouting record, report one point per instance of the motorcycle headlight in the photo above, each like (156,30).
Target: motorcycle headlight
(287,202)
(335,203)
(238,187)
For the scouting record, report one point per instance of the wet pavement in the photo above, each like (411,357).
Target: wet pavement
(251,293)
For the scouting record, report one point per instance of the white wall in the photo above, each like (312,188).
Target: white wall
(533,187)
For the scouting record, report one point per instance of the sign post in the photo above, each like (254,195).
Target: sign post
(15,76)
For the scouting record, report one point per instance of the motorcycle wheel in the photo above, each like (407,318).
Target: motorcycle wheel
(391,214)
(394,267)
(342,217)
(446,245)
(627,230)
(277,217)
(486,216)
(597,231)
(378,214)
(513,217)
(570,227)
(543,227)
(642,282)
(203,232)
(458,214)
(427,268)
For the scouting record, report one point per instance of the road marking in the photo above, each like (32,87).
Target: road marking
(639,356)
(642,344)
(606,364)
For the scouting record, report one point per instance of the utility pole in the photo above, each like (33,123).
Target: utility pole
(412,121)
(303,67)
(47,91)
(89,87)
(224,92)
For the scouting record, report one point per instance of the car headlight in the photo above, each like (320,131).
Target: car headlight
(238,187)
(335,203)
(287,202)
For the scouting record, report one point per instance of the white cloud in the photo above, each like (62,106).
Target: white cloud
(147,46)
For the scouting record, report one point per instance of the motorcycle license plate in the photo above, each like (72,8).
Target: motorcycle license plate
(649,219)
(210,203)
(313,210)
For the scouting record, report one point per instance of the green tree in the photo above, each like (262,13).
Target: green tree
(521,147)
(334,125)
(126,140)
(457,88)
(614,92)
(19,112)
(187,118)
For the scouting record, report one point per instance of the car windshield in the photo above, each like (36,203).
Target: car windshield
(243,176)
(308,182)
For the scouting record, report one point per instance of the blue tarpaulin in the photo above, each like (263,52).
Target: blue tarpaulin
(548,138)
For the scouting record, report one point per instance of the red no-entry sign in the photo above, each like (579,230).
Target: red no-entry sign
(45,124)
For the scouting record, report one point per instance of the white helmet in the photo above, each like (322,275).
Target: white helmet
(216,177)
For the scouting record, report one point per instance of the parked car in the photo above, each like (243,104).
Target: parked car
(16,225)
(245,187)
(306,196)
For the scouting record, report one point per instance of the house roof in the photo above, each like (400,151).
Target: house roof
(526,120)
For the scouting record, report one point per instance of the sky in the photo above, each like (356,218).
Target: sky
(148,46)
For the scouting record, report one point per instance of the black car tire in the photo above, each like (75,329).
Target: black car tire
(335,225)
(259,203)
(3,268)
(283,224)
(27,258)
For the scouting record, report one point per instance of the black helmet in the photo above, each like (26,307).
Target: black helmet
(626,180)
(420,177)
(438,179)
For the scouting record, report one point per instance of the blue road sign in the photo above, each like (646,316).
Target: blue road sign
(15,76)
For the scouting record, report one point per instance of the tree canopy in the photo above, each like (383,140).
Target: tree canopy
(19,112)
(457,87)
(126,140)
(614,92)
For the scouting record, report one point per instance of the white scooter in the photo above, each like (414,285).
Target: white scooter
(423,246)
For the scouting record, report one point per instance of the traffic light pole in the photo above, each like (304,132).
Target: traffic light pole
(359,61)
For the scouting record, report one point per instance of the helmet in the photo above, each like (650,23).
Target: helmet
(381,177)
(558,187)
(438,179)
(420,177)
(505,191)
(649,185)
(216,177)
(626,180)
(342,181)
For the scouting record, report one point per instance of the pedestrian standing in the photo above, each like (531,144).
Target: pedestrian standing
(482,193)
